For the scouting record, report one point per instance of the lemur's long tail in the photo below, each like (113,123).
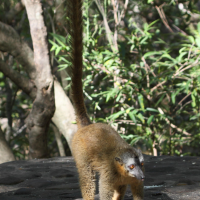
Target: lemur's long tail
(76,31)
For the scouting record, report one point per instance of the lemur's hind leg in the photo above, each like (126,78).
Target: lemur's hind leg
(119,192)
(87,181)
(137,190)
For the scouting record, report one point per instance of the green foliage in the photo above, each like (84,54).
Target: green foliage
(149,89)
(146,84)
(18,109)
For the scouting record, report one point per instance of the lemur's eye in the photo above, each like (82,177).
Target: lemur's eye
(142,164)
(131,166)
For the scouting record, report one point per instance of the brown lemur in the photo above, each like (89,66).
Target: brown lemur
(98,147)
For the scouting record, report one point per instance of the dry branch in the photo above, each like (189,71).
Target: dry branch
(22,82)
(163,17)
(64,115)
(11,42)
(172,125)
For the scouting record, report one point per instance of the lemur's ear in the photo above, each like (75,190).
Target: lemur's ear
(119,160)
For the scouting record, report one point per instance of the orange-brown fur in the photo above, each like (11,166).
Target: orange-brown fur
(95,147)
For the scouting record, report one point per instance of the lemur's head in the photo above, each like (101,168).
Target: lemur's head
(130,162)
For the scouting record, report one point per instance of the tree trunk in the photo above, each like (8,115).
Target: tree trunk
(10,41)
(44,104)
(64,115)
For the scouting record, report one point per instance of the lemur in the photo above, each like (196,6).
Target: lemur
(97,147)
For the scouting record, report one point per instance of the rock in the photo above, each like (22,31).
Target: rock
(167,178)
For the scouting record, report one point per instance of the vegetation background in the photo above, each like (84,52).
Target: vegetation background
(141,75)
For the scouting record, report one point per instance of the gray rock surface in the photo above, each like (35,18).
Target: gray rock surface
(167,178)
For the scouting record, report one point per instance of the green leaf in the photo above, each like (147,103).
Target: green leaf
(183,49)
(197,116)
(187,86)
(116,115)
(173,95)
(58,50)
(150,119)
(141,101)
(112,93)
(149,1)
(151,109)
(140,116)
(198,28)
(197,40)
(151,53)
(180,57)
(161,98)
(97,106)
(109,63)
(148,131)
(127,137)
(193,100)
(191,38)
(136,139)
(143,40)
(152,23)
(132,116)
(166,55)
(60,39)
(118,96)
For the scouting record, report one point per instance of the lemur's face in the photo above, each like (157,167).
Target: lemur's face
(132,163)
(134,166)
